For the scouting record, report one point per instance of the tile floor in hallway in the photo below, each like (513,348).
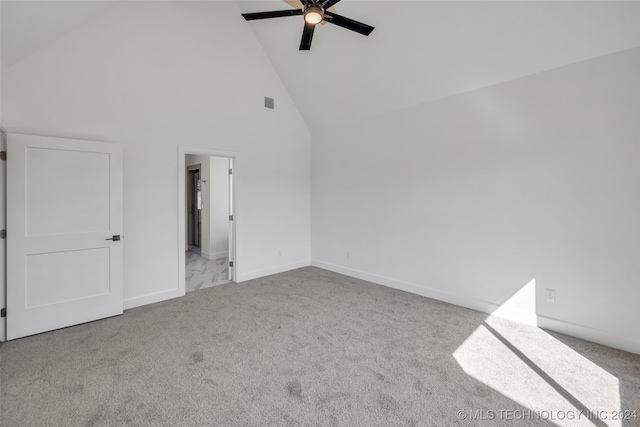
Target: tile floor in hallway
(202,273)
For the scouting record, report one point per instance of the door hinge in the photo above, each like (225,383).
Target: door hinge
(230,217)
(3,312)
(230,263)
(3,155)
(230,171)
(3,234)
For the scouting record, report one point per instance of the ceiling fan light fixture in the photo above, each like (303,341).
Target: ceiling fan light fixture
(313,14)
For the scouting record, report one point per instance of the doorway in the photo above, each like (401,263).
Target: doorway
(208,199)
(194,209)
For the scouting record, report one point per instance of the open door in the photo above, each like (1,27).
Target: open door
(64,221)
(3,242)
(232,228)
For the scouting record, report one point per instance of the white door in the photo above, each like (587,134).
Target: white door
(232,249)
(64,201)
(3,243)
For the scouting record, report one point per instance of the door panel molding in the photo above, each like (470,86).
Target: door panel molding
(65,199)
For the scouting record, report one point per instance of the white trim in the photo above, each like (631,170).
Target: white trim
(555,325)
(190,168)
(472,303)
(182,152)
(3,243)
(515,315)
(152,298)
(214,255)
(274,270)
(589,334)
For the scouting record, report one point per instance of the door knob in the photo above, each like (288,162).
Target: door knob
(115,238)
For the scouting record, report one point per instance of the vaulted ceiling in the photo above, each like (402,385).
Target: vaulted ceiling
(420,51)
(425,50)
(27,26)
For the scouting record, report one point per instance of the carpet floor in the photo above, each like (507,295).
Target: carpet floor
(312,348)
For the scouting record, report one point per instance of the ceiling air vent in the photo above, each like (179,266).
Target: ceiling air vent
(269,102)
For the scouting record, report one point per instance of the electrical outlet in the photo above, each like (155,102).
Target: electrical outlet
(348,255)
(550,295)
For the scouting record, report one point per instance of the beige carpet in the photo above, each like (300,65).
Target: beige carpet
(312,348)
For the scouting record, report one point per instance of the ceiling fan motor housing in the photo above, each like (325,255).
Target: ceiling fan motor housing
(314,14)
(314,11)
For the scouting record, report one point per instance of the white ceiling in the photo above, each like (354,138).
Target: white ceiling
(420,50)
(425,50)
(27,26)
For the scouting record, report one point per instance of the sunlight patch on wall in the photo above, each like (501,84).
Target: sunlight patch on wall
(521,306)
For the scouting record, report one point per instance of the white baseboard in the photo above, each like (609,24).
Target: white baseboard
(555,325)
(152,298)
(424,291)
(214,255)
(176,293)
(589,334)
(515,315)
(274,270)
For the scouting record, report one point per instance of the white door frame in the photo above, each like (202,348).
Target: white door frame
(182,205)
(3,242)
(190,168)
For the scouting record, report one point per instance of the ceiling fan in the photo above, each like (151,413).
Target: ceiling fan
(314,12)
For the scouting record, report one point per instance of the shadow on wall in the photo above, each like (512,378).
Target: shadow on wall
(557,378)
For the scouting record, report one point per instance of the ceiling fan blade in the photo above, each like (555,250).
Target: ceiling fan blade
(307,36)
(296,4)
(329,3)
(272,14)
(348,23)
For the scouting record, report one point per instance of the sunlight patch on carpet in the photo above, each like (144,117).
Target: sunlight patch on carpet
(540,373)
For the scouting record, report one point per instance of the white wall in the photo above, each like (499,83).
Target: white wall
(470,198)
(156,75)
